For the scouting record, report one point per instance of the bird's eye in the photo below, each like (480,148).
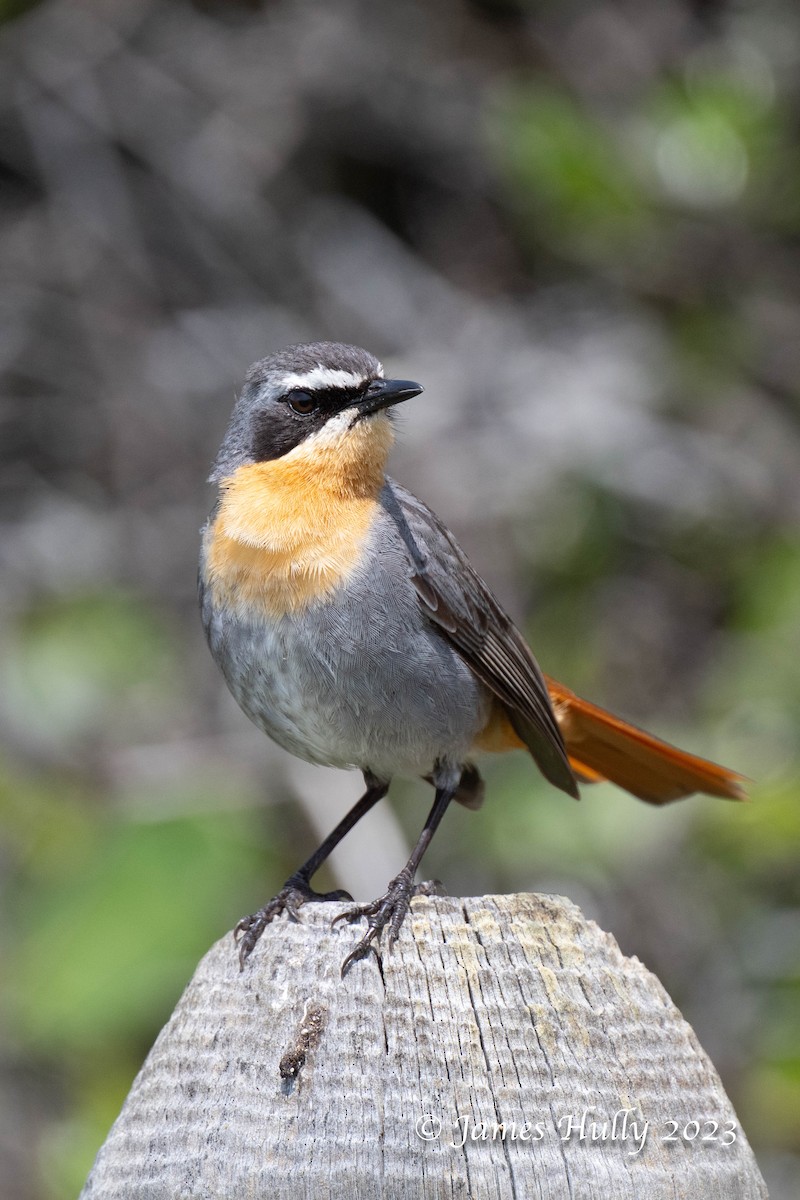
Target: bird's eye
(302,402)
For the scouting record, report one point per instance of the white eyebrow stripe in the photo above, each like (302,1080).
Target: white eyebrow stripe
(323,377)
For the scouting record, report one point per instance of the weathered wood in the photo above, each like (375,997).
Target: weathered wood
(513,1011)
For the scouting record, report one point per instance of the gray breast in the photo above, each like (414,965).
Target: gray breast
(359,680)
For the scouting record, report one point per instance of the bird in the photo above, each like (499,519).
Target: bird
(352,629)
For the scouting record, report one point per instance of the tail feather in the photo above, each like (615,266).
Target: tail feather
(602,747)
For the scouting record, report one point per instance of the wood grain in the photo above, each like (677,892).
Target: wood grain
(512,1011)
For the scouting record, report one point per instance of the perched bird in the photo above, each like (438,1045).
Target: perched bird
(351,628)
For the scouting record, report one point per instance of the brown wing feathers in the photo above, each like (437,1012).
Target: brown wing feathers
(463,608)
(568,737)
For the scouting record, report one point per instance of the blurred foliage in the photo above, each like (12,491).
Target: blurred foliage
(578,225)
(570,178)
(108,910)
(81,662)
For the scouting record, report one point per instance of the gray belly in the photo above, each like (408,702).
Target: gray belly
(361,680)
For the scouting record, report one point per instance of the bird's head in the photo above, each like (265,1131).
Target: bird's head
(309,399)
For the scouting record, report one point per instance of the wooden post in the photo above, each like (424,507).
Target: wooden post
(505,1049)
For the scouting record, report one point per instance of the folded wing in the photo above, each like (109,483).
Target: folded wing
(569,738)
(460,604)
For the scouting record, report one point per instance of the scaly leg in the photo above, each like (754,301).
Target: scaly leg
(391,908)
(297,890)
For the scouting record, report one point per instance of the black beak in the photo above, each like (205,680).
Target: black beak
(382,393)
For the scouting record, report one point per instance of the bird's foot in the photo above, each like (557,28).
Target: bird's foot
(389,909)
(290,899)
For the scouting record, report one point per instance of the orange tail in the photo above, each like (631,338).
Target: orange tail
(601,746)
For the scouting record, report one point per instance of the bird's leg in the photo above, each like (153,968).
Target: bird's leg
(391,908)
(297,890)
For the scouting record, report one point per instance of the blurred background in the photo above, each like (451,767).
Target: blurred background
(579,226)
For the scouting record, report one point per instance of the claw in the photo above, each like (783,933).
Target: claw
(290,899)
(389,909)
(355,913)
(360,951)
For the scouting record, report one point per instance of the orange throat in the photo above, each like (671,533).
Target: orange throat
(290,531)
